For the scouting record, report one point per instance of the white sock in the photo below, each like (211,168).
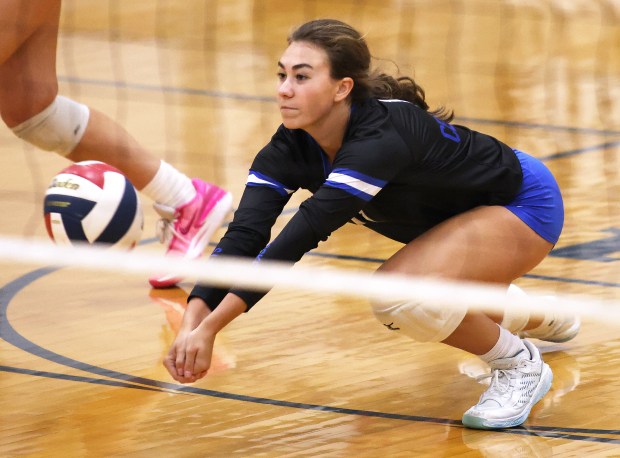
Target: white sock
(170,187)
(507,346)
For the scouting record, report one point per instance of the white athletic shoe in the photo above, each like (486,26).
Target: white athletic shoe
(517,384)
(559,329)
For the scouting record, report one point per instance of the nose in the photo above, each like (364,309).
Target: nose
(285,88)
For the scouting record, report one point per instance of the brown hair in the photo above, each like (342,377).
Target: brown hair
(349,56)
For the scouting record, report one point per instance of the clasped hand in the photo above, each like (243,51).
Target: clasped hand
(189,357)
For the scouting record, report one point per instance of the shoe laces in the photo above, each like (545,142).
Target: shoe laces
(165,229)
(500,378)
(500,381)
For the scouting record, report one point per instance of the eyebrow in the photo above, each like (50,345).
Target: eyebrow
(298,66)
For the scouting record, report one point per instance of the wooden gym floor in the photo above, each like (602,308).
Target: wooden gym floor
(306,374)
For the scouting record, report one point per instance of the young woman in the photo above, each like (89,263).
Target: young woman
(31,107)
(465,205)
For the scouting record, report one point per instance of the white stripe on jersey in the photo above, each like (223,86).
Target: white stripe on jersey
(254,179)
(393,100)
(353,182)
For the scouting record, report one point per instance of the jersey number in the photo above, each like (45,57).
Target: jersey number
(448,131)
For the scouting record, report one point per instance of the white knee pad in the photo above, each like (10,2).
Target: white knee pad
(421,322)
(58,128)
(515,317)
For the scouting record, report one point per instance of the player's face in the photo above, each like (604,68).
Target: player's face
(306,91)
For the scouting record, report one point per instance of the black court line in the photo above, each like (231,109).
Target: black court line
(75,378)
(10,335)
(169,89)
(577,151)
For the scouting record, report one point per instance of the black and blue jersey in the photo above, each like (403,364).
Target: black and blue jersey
(399,171)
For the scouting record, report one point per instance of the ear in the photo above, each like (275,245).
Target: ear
(345,86)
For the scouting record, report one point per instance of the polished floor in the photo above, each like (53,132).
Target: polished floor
(309,374)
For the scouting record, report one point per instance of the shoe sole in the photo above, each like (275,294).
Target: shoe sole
(164,282)
(546,378)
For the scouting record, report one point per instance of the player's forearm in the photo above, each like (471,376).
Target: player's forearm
(230,308)
(195,312)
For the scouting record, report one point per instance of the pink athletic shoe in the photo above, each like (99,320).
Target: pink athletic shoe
(190,227)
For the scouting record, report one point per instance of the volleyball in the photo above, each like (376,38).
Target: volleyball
(93,202)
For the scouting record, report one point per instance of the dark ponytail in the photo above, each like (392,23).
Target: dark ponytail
(383,86)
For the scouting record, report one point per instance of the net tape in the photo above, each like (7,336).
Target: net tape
(263,275)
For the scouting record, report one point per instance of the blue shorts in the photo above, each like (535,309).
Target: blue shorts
(539,201)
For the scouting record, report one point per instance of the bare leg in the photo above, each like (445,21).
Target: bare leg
(28,84)
(487,244)
(107,141)
(28,35)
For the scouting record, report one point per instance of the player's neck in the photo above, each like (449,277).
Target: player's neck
(329,132)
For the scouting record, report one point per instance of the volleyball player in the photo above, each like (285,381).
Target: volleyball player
(30,106)
(465,205)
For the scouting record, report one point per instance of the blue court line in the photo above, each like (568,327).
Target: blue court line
(10,335)
(271,99)
(606,284)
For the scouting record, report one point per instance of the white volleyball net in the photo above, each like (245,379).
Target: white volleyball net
(226,272)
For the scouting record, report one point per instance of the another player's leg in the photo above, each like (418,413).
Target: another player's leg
(31,107)
(28,34)
(191,209)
